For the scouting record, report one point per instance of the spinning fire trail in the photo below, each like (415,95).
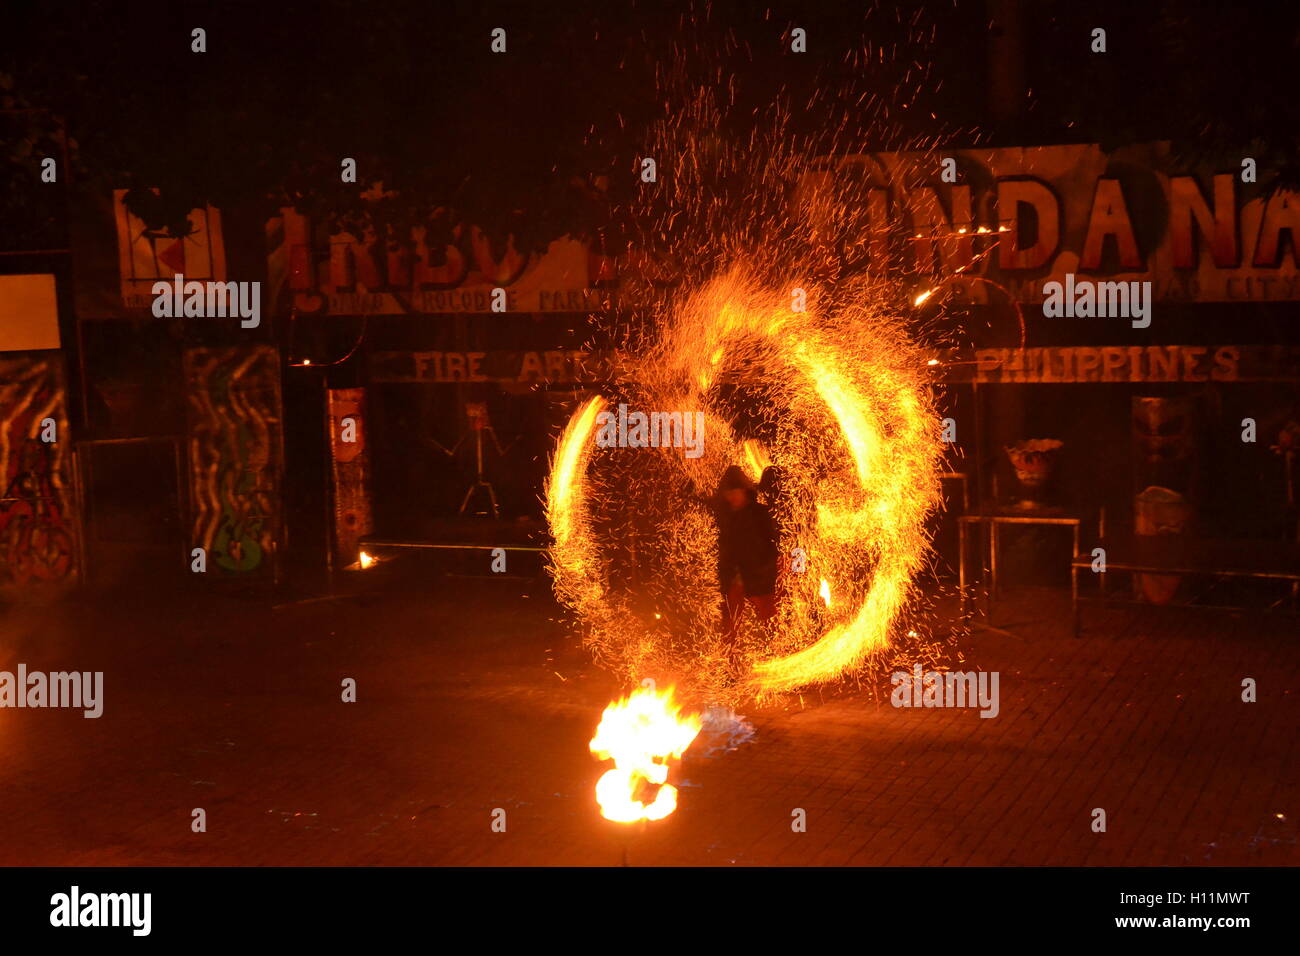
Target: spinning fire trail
(795,359)
(853,430)
(842,400)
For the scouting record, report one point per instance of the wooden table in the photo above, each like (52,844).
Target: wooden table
(994,518)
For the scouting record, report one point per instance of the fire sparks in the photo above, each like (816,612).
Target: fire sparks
(576,566)
(747,301)
(642,733)
(840,405)
(757,458)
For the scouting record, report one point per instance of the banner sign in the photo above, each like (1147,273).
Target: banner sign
(1082,364)
(150,253)
(370,267)
(1131,363)
(1022,217)
(553,367)
(117,281)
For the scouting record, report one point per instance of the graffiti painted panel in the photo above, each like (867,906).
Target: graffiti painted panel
(1017,218)
(363,263)
(38,518)
(350,463)
(234,438)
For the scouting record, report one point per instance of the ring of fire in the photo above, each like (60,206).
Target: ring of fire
(857,426)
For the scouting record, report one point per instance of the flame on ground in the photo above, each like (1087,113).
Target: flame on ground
(641,733)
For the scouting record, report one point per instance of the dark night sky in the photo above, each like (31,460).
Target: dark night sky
(411,88)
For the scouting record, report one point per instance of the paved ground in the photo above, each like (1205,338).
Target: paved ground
(472,697)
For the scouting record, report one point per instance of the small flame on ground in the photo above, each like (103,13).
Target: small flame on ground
(365,560)
(641,733)
(825,592)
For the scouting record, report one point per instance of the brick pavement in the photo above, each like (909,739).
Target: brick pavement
(473,697)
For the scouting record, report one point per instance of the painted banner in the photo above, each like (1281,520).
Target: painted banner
(364,266)
(39,523)
(1022,217)
(235,449)
(1074,364)
(1129,363)
(116,280)
(150,251)
(350,468)
(551,367)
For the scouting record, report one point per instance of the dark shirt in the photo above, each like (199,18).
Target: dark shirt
(747,546)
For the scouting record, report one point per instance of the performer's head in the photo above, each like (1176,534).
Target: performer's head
(737,490)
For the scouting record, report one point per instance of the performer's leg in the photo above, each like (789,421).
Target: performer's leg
(733,606)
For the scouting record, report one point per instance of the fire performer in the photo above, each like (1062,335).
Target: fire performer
(747,553)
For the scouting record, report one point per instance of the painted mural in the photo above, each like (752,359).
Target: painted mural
(350,464)
(1004,222)
(388,261)
(39,523)
(235,456)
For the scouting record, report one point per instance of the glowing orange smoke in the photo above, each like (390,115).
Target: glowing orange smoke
(641,733)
